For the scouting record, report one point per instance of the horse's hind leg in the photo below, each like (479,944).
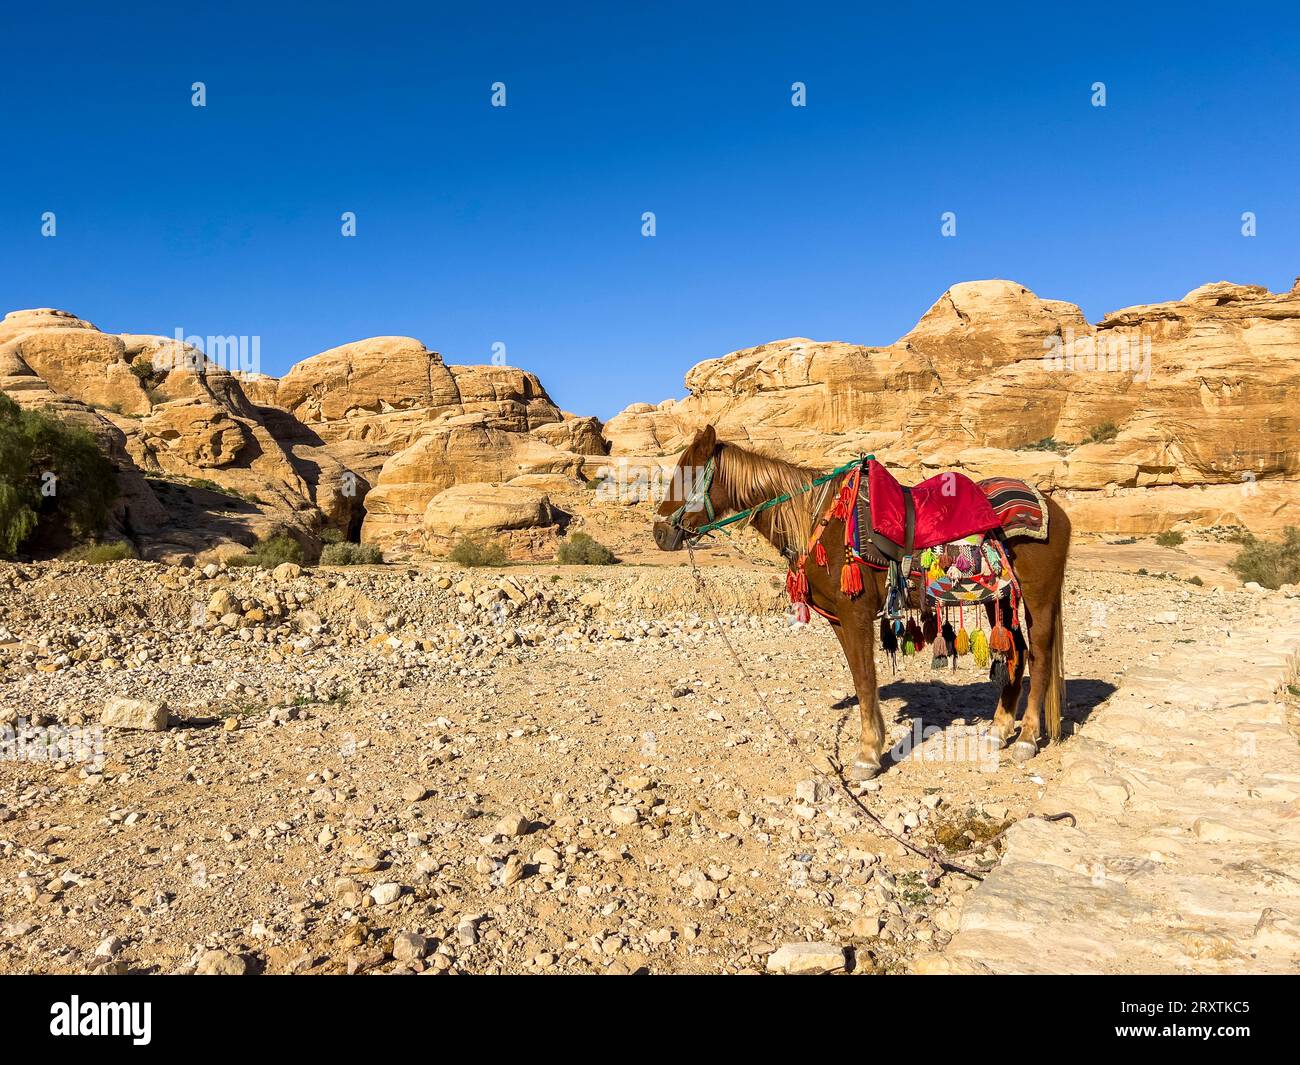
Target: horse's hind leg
(1004,718)
(1041,623)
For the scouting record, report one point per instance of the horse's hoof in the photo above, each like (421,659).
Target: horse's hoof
(1023,750)
(995,738)
(863,771)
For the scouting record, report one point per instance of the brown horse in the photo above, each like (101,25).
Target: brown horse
(743,479)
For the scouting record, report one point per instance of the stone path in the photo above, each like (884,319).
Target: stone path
(1186,855)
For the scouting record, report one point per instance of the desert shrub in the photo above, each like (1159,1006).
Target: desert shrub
(1103,433)
(331,535)
(471,551)
(1269,564)
(114,551)
(581,550)
(1048,443)
(1170,538)
(34,444)
(271,552)
(348,554)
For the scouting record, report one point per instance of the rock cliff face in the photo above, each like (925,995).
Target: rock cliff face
(1179,412)
(360,437)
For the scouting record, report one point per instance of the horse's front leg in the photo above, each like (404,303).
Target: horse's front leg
(855,634)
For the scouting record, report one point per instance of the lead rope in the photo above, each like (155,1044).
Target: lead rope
(937,861)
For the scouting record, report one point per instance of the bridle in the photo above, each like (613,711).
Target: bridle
(700,497)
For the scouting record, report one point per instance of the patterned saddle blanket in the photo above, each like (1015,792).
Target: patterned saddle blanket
(940,510)
(977,568)
(966,567)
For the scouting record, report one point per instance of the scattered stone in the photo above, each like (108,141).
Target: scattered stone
(148,715)
(410,946)
(512,825)
(386,894)
(806,958)
(220,963)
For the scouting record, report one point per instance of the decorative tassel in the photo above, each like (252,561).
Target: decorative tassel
(948,634)
(796,583)
(998,672)
(844,502)
(929,628)
(1000,639)
(940,659)
(909,648)
(962,643)
(979,647)
(912,635)
(851,579)
(802,615)
(888,638)
(927,558)
(889,642)
(819,554)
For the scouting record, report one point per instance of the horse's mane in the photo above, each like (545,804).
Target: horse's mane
(750,478)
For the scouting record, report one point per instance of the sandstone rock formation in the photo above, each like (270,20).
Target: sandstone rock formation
(1191,397)
(519,518)
(1170,415)
(210,459)
(463,451)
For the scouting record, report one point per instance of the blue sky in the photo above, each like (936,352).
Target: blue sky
(522,225)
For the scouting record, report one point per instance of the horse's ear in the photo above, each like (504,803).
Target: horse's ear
(705,441)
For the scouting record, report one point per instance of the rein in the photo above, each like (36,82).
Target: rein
(937,861)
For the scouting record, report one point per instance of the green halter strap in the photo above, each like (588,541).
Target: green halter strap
(701,494)
(699,497)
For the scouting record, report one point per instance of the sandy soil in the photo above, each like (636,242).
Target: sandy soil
(411,769)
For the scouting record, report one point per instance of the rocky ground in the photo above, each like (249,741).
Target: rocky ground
(537,769)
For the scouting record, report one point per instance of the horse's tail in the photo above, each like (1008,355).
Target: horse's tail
(1054,701)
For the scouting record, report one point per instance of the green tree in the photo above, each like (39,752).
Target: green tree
(50,472)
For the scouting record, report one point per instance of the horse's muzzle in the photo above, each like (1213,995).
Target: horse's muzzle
(669,537)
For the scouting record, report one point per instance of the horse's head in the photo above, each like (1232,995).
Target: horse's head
(689,499)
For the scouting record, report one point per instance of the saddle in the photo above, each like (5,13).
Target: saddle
(898,521)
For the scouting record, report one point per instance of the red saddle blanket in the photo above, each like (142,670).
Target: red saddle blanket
(948,507)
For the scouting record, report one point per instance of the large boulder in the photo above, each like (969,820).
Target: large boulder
(74,358)
(465,451)
(506,398)
(195,433)
(364,378)
(519,518)
(582,436)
